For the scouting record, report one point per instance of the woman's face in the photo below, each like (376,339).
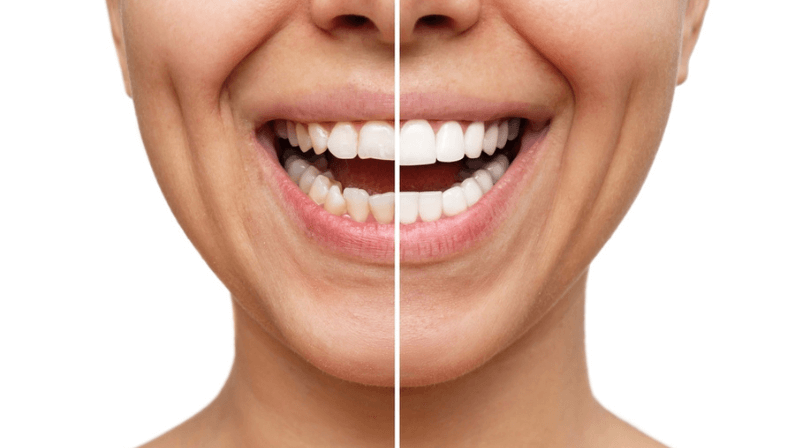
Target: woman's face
(591,80)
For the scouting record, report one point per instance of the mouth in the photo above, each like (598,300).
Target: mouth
(339,176)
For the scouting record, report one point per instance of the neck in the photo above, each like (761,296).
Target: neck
(535,393)
(275,398)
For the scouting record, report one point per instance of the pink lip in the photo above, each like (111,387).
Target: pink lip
(419,242)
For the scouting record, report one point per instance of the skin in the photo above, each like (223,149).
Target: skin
(313,329)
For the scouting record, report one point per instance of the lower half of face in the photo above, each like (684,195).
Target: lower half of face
(526,131)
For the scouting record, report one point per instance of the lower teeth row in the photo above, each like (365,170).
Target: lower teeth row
(319,184)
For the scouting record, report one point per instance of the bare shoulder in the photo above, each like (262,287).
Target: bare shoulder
(201,430)
(610,431)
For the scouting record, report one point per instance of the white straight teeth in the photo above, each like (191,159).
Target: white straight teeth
(419,144)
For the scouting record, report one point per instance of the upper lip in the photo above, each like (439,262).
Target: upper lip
(351,104)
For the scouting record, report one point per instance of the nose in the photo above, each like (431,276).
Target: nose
(356,17)
(436,17)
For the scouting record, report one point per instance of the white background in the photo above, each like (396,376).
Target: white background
(113,330)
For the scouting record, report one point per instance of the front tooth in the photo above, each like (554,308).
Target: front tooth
(304,142)
(490,138)
(342,141)
(335,203)
(453,201)
(319,189)
(473,139)
(417,143)
(450,142)
(319,137)
(295,167)
(280,128)
(472,191)
(382,207)
(409,206)
(308,178)
(377,141)
(484,180)
(430,205)
(291,135)
(513,128)
(502,134)
(357,203)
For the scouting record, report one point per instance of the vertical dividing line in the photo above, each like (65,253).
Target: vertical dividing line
(397,224)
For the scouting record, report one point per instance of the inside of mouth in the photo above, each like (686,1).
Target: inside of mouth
(377,176)
(362,188)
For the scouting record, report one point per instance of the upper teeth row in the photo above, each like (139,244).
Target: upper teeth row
(419,145)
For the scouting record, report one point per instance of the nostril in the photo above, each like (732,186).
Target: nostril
(354,21)
(434,21)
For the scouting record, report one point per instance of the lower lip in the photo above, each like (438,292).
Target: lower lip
(419,242)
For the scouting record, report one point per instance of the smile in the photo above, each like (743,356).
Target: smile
(455,179)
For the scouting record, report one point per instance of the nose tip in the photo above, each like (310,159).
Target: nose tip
(356,17)
(420,18)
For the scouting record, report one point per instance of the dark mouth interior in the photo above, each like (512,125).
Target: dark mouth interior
(377,176)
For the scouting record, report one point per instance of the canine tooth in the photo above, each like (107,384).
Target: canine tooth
(357,203)
(335,203)
(417,143)
(472,191)
(484,180)
(513,127)
(490,138)
(280,128)
(291,135)
(342,141)
(304,142)
(430,205)
(319,137)
(473,139)
(453,201)
(450,142)
(296,167)
(377,141)
(502,134)
(382,206)
(409,206)
(319,189)
(307,178)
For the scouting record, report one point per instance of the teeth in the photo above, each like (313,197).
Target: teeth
(383,207)
(419,146)
(357,201)
(342,141)
(377,141)
(409,206)
(450,142)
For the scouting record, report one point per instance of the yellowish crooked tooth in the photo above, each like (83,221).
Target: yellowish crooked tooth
(307,178)
(357,203)
(409,206)
(319,189)
(382,206)
(291,135)
(335,203)
(319,137)
(304,142)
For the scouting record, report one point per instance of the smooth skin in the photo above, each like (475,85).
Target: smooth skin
(492,338)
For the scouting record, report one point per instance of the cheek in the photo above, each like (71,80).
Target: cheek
(602,47)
